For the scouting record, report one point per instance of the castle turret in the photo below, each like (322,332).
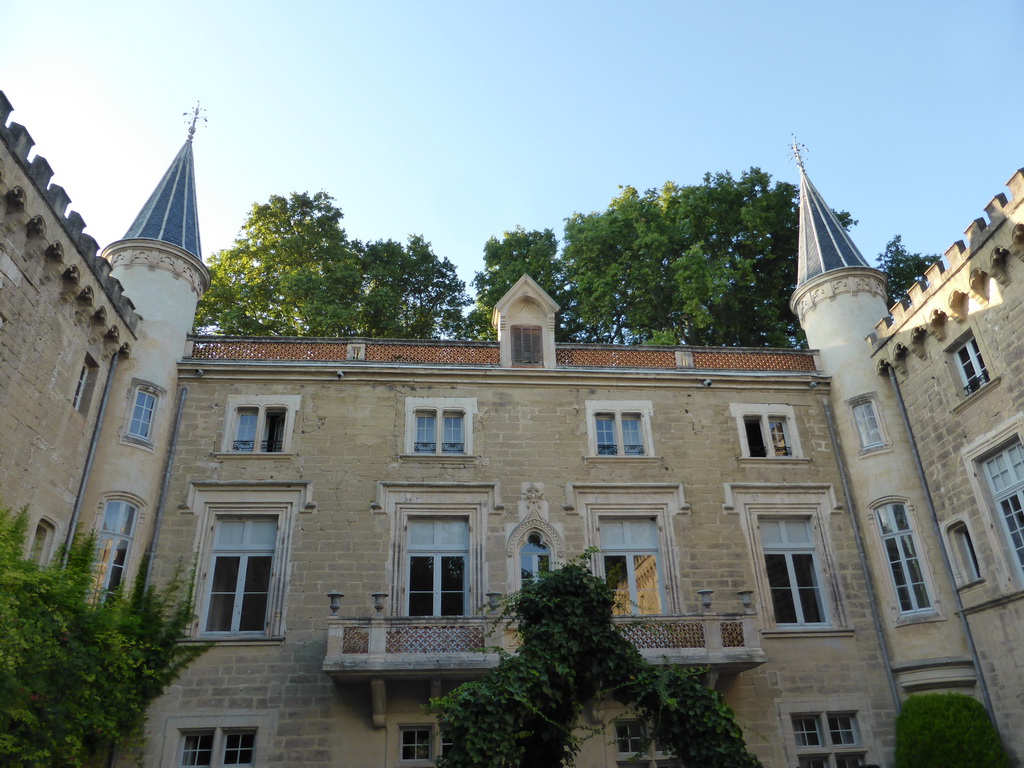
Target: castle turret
(159,264)
(839,299)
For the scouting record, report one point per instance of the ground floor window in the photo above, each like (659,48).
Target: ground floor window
(636,746)
(214,747)
(827,740)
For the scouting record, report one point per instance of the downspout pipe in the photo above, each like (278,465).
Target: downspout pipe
(76,511)
(957,602)
(164,485)
(862,555)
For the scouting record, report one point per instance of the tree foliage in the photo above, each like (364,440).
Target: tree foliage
(76,674)
(294,271)
(947,730)
(520,252)
(707,264)
(525,713)
(902,268)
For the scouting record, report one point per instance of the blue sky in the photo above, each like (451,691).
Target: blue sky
(460,120)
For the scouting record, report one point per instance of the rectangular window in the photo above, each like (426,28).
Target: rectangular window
(1005,472)
(837,745)
(141,422)
(904,563)
(451,440)
(241,567)
(618,434)
(113,543)
(973,373)
(793,575)
(867,425)
(215,748)
(437,567)
(634,746)
(416,744)
(630,557)
(766,430)
(85,385)
(439,426)
(260,430)
(527,346)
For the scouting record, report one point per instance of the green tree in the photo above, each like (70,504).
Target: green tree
(710,264)
(293,271)
(520,252)
(902,268)
(77,674)
(947,730)
(408,292)
(524,714)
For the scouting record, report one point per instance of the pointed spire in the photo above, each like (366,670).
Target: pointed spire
(170,214)
(824,244)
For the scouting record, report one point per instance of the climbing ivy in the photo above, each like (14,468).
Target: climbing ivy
(76,673)
(526,712)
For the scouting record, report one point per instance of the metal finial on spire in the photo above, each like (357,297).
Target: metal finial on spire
(195,116)
(796,152)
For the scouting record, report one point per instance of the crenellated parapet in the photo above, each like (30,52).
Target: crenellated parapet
(974,273)
(35,224)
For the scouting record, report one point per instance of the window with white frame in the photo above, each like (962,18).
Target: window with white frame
(970,365)
(1005,473)
(437,567)
(140,420)
(85,384)
(827,740)
(217,747)
(527,345)
(794,575)
(963,548)
(766,431)
(113,544)
(619,427)
(439,426)
(869,429)
(259,424)
(420,745)
(240,575)
(534,558)
(894,526)
(629,557)
(635,746)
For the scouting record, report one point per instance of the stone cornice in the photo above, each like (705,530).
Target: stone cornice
(155,254)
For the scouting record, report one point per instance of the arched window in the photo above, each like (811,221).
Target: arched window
(534,558)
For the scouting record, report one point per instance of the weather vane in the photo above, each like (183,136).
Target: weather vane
(796,152)
(195,116)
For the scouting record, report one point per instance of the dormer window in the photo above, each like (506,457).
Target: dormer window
(527,345)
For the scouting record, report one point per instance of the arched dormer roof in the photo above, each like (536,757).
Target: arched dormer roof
(525,319)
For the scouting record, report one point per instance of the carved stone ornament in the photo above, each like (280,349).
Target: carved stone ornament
(533,512)
(166,262)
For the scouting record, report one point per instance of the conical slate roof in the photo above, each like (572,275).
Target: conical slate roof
(170,214)
(824,244)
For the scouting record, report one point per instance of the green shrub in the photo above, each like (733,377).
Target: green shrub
(77,674)
(947,730)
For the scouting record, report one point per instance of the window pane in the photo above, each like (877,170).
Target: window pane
(780,440)
(841,730)
(807,583)
(197,749)
(607,444)
(632,441)
(454,440)
(273,434)
(867,425)
(245,435)
(238,748)
(416,743)
(426,433)
(629,738)
(755,436)
(142,414)
(421,585)
(648,592)
(807,731)
(617,578)
(782,594)
(222,593)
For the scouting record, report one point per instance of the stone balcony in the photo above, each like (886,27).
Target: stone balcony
(464,647)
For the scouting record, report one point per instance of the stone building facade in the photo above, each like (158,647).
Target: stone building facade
(354,508)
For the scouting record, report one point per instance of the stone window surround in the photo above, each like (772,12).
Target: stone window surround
(237,403)
(821,708)
(414,405)
(619,408)
(209,503)
(221,721)
(813,502)
(159,393)
(740,411)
